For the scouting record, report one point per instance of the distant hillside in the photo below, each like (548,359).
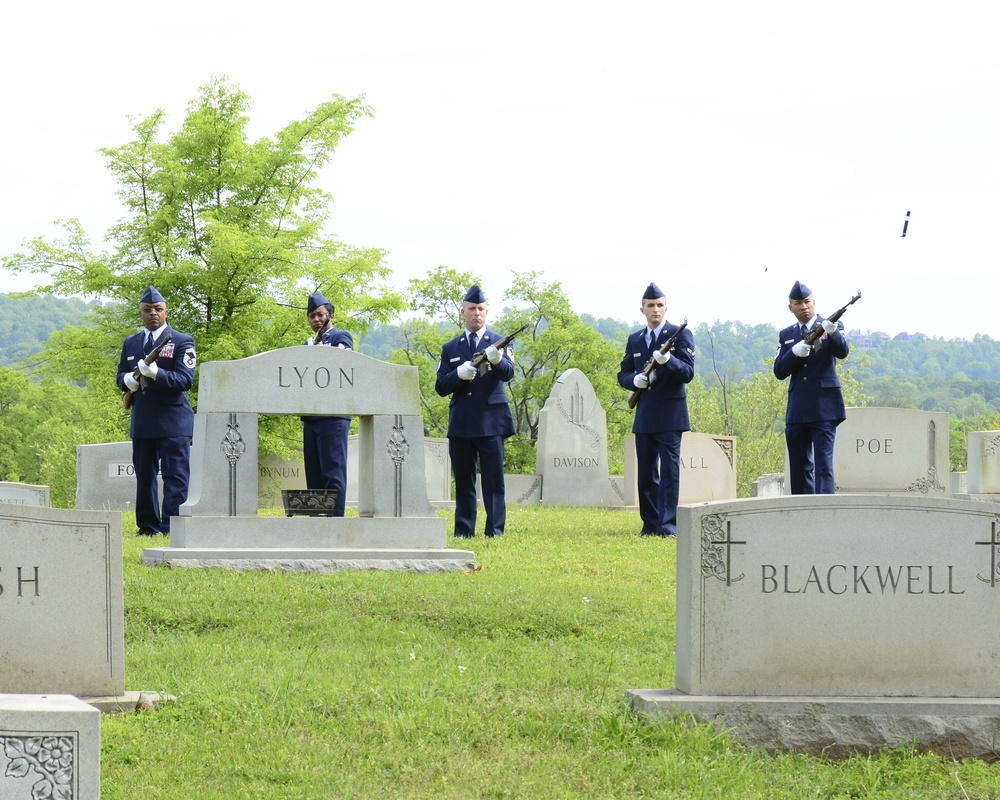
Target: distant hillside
(27,322)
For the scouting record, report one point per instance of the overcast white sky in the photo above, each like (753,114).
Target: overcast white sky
(723,150)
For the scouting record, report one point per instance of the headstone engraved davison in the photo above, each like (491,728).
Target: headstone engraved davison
(836,622)
(24,494)
(50,747)
(892,450)
(984,462)
(572,450)
(708,468)
(396,526)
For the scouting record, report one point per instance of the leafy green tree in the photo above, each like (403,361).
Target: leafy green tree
(231,231)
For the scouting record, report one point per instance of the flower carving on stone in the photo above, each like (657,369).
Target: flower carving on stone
(50,757)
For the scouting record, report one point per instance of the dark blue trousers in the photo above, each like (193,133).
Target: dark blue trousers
(324,450)
(488,451)
(810,456)
(658,455)
(171,458)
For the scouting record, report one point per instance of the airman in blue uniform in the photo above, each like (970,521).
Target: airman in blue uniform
(815,400)
(162,419)
(479,417)
(324,439)
(661,413)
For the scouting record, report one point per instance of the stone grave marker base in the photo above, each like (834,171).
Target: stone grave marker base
(837,727)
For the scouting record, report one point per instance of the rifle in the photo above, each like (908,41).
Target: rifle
(818,330)
(480,357)
(634,397)
(153,355)
(326,326)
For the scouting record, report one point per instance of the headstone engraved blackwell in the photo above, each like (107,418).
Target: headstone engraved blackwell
(892,450)
(572,449)
(838,622)
(396,526)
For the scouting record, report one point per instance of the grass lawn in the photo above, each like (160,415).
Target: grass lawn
(504,683)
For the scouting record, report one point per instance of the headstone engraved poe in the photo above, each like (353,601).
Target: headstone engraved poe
(572,450)
(396,526)
(892,450)
(834,623)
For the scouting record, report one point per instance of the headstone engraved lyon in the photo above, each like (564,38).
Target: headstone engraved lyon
(572,450)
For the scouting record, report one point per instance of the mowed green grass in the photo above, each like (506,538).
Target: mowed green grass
(508,682)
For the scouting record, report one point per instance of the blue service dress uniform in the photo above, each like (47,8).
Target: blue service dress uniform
(661,416)
(479,419)
(815,406)
(162,427)
(324,439)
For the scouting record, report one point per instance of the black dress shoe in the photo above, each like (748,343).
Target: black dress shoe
(146,532)
(465,536)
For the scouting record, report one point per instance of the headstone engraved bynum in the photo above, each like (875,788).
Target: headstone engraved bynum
(834,623)
(572,450)
(395,528)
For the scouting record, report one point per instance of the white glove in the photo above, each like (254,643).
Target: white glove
(493,355)
(149,370)
(801,349)
(466,371)
(131,383)
(640,381)
(660,358)
(829,327)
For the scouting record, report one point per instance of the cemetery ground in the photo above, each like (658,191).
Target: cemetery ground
(507,682)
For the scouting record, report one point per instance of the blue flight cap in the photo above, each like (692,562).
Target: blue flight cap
(152,296)
(652,292)
(475,295)
(799,291)
(316,301)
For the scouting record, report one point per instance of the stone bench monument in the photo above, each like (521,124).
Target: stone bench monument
(833,623)
(396,526)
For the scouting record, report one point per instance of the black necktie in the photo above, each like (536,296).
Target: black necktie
(148,346)
(472,342)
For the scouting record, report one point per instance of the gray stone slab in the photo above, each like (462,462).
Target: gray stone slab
(853,595)
(313,559)
(105,478)
(24,494)
(707,467)
(984,462)
(307,532)
(837,727)
(308,380)
(50,746)
(896,450)
(61,609)
(571,454)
